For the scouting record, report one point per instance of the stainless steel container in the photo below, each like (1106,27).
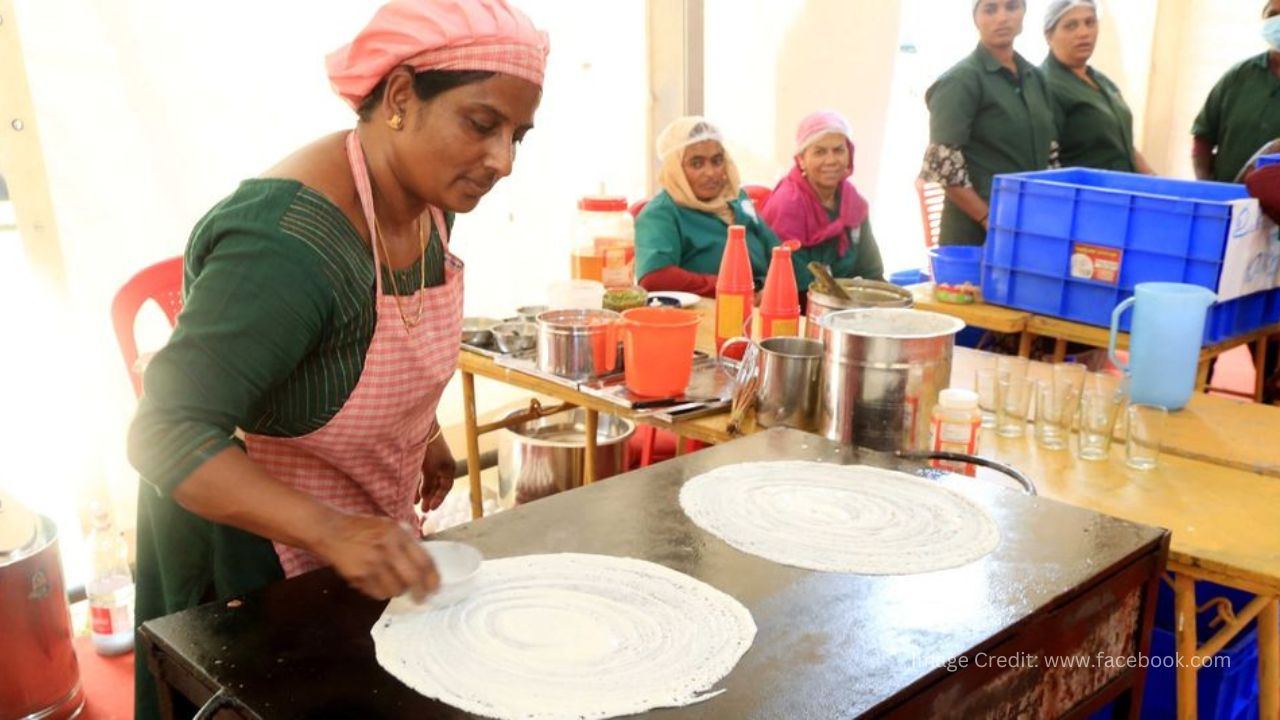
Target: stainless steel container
(39,676)
(864,294)
(790,370)
(882,371)
(543,457)
(578,344)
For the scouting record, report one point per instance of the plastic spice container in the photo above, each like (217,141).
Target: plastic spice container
(604,247)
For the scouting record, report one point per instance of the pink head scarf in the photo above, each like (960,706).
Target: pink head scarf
(438,35)
(794,210)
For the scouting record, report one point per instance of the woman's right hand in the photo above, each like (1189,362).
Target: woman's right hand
(378,557)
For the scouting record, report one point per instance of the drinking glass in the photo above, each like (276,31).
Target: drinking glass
(1013,405)
(1146,430)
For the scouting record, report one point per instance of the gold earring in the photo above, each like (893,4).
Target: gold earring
(396,122)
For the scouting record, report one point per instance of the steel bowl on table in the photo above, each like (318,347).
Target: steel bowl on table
(514,337)
(478,331)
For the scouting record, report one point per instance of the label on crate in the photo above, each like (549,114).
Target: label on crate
(1097,263)
(1251,261)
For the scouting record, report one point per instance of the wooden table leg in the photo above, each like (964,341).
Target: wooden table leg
(1269,661)
(473,443)
(1202,374)
(1025,340)
(1260,362)
(1059,350)
(682,445)
(1186,643)
(589,461)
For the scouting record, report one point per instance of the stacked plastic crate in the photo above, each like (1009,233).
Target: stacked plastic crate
(1073,244)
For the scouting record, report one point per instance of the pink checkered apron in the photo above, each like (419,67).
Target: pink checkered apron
(368,458)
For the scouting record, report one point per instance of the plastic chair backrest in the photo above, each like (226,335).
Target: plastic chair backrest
(759,195)
(636,207)
(161,283)
(931,196)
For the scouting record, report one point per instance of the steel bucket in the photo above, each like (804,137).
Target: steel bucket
(545,456)
(863,294)
(882,371)
(39,676)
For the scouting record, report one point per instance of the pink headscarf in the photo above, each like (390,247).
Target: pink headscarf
(795,212)
(438,35)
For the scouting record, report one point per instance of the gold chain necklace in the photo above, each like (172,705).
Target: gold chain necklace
(422,263)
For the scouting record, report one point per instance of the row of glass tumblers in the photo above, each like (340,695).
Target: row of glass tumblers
(1070,399)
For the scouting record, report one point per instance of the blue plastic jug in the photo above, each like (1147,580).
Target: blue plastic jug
(1164,342)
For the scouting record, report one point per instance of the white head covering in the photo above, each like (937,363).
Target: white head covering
(686,131)
(1058,8)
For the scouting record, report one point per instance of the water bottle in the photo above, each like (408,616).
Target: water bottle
(110,588)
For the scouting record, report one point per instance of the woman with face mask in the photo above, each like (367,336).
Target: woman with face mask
(1242,112)
(681,232)
(817,205)
(988,115)
(1095,123)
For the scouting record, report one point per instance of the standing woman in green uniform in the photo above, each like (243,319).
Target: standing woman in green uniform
(1095,123)
(1242,112)
(681,232)
(989,114)
(321,323)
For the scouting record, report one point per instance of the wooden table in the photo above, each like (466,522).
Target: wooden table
(980,315)
(1217,489)
(1030,326)
(1063,582)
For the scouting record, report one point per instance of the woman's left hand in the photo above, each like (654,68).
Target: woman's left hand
(438,471)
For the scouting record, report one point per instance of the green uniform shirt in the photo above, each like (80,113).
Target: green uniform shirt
(1241,115)
(1003,123)
(669,234)
(278,313)
(1095,124)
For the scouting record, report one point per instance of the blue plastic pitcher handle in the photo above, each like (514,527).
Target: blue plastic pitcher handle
(1115,331)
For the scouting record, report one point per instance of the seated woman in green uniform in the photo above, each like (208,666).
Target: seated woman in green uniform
(681,232)
(817,206)
(989,114)
(1242,112)
(289,423)
(1094,122)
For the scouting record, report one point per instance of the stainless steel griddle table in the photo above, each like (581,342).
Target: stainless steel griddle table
(1063,582)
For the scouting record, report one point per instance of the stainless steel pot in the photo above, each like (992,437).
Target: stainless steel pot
(578,344)
(882,371)
(39,677)
(543,457)
(863,294)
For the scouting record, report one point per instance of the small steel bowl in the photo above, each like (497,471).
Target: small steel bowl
(478,331)
(512,337)
(529,313)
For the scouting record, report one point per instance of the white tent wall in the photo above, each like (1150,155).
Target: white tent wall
(150,112)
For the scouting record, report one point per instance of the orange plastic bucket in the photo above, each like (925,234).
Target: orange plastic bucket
(657,346)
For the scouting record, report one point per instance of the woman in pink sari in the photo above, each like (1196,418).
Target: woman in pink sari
(817,205)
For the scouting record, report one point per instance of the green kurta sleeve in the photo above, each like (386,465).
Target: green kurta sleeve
(257,303)
(953,103)
(1241,115)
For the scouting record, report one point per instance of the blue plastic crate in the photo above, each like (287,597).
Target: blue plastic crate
(1134,227)
(1266,160)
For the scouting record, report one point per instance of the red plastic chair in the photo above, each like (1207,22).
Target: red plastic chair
(636,207)
(161,283)
(759,195)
